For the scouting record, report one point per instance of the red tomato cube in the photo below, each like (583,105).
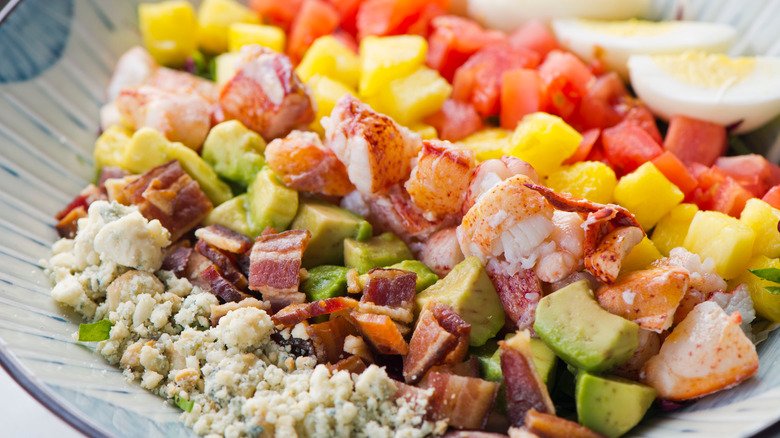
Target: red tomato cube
(522,93)
(455,120)
(694,140)
(627,146)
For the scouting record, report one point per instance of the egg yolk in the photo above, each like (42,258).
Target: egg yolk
(707,70)
(629,28)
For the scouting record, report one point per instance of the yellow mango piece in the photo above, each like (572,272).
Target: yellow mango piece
(727,240)
(763,219)
(426,132)
(670,231)
(327,56)
(241,34)
(325,92)
(767,304)
(148,148)
(647,194)
(384,59)
(169,31)
(488,143)
(592,180)
(225,67)
(544,141)
(214,20)
(640,256)
(411,98)
(110,147)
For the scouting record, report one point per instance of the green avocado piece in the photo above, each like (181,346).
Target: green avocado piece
(382,250)
(148,148)
(470,293)
(110,147)
(234,151)
(231,214)
(611,405)
(571,322)
(270,202)
(329,226)
(325,281)
(489,357)
(425,277)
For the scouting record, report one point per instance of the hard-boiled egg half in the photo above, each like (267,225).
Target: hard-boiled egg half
(714,87)
(614,41)
(508,15)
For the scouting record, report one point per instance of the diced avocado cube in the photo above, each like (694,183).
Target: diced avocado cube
(611,405)
(326,281)
(470,293)
(545,361)
(234,151)
(382,250)
(329,226)
(489,357)
(571,322)
(231,214)
(110,147)
(148,148)
(270,202)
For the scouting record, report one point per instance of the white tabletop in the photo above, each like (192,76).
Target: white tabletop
(22,416)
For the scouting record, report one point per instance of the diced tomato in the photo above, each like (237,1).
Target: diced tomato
(421,25)
(278,13)
(453,40)
(479,80)
(391,17)
(534,35)
(590,139)
(730,198)
(641,116)
(675,171)
(567,80)
(597,153)
(455,120)
(522,93)
(718,191)
(317,18)
(753,172)
(348,11)
(597,108)
(694,140)
(772,197)
(598,67)
(347,39)
(627,146)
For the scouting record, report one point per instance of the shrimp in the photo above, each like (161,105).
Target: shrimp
(706,352)
(134,68)
(376,151)
(490,172)
(265,94)
(441,252)
(566,257)
(441,177)
(179,117)
(304,164)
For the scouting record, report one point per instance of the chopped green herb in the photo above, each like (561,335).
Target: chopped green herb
(774,290)
(184,405)
(97,331)
(771,274)
(738,146)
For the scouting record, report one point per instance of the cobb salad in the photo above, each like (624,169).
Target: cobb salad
(372,218)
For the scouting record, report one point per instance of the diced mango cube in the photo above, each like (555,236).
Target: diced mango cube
(214,20)
(763,219)
(488,143)
(384,59)
(426,132)
(241,34)
(110,146)
(767,304)
(325,92)
(544,141)
(329,57)
(225,67)
(727,240)
(592,180)
(410,98)
(169,30)
(640,256)
(670,231)
(647,194)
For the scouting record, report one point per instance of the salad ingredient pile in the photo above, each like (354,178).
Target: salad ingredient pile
(374,218)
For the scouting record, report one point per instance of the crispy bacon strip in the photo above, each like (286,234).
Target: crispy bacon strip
(519,293)
(547,425)
(224,238)
(610,231)
(225,262)
(299,312)
(328,338)
(390,292)
(177,259)
(69,225)
(525,389)
(221,286)
(274,267)
(168,194)
(381,332)
(352,364)
(465,401)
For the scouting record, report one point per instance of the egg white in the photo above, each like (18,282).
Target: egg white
(590,39)
(753,99)
(508,15)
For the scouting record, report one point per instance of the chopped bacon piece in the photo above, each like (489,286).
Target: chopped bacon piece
(381,332)
(441,336)
(465,401)
(472,434)
(168,194)
(328,338)
(177,259)
(299,312)
(220,310)
(467,368)
(275,264)
(525,389)
(519,293)
(224,238)
(390,287)
(69,224)
(352,364)
(110,172)
(225,262)
(550,426)
(221,286)
(88,195)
